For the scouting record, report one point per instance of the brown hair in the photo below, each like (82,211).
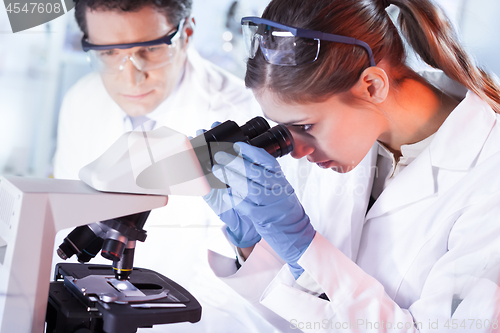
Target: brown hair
(338,67)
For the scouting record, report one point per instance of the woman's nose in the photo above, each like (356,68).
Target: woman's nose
(301,149)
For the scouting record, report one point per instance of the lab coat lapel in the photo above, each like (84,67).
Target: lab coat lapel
(455,147)
(463,134)
(414,183)
(362,188)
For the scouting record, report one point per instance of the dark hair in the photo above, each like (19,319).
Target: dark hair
(338,67)
(175,10)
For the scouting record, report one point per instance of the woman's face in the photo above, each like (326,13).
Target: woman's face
(331,134)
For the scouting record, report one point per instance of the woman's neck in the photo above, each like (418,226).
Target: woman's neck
(414,112)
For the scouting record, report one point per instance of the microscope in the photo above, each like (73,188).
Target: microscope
(110,207)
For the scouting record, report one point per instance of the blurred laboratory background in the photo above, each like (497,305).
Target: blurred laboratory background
(39,65)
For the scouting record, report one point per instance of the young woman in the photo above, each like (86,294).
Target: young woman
(414,247)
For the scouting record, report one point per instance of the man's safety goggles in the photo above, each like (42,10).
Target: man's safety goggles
(288,46)
(145,56)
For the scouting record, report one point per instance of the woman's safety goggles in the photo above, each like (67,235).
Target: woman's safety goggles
(145,56)
(288,46)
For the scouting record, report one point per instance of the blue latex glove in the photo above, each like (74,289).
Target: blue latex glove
(261,193)
(240,230)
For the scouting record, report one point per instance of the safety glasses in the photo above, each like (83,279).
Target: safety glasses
(289,46)
(145,56)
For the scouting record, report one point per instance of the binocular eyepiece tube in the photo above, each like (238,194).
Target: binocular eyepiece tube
(277,141)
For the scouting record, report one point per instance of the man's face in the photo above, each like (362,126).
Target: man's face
(137,92)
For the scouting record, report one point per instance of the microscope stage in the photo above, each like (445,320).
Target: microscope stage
(90,295)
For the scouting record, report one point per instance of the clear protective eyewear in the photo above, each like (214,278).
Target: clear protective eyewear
(289,46)
(147,55)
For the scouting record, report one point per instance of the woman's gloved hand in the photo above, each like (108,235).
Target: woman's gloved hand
(261,194)
(240,230)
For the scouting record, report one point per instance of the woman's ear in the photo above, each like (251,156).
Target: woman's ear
(372,85)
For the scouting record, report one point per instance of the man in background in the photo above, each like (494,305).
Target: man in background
(144,85)
(159,85)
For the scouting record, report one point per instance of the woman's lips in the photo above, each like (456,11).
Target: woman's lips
(137,97)
(325,164)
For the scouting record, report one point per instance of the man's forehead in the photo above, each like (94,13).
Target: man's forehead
(119,27)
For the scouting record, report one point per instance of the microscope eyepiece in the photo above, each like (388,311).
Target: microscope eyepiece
(229,131)
(277,141)
(255,127)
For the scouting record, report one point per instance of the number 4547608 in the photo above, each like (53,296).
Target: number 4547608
(34,7)
(471,324)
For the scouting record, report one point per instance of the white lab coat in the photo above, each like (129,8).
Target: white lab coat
(427,248)
(178,234)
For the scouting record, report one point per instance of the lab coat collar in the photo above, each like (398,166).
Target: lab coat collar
(462,135)
(455,146)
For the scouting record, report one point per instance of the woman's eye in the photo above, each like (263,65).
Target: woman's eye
(303,128)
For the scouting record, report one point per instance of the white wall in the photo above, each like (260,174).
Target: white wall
(29,63)
(479,25)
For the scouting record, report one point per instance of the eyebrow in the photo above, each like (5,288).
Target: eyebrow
(295,122)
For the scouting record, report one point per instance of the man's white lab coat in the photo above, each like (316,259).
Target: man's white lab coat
(426,257)
(178,234)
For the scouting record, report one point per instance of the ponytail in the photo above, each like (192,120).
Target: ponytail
(433,38)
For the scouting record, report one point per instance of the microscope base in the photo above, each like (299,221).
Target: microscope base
(71,312)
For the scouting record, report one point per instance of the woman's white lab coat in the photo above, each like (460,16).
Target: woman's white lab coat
(426,257)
